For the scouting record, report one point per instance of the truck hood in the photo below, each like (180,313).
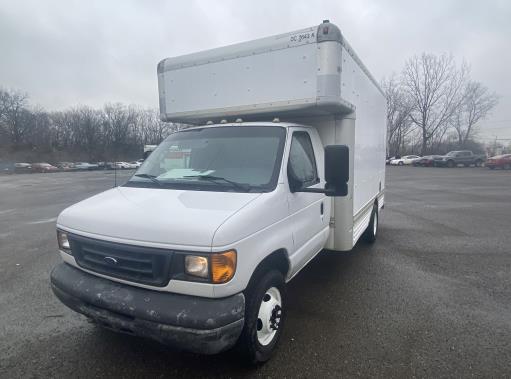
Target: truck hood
(156,216)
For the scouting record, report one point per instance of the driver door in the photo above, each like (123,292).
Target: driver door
(307,211)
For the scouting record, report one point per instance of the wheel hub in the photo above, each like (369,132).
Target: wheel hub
(275,317)
(269,316)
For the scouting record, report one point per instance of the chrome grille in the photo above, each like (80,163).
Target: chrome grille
(138,264)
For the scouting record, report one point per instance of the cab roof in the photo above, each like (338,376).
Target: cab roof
(251,123)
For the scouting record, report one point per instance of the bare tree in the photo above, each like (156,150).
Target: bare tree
(119,127)
(399,107)
(434,86)
(4,98)
(13,115)
(476,105)
(38,129)
(62,126)
(152,129)
(87,126)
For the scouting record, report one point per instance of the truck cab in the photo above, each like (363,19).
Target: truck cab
(195,249)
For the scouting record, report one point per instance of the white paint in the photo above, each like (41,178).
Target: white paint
(256,224)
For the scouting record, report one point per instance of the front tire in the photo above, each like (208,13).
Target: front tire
(400,163)
(264,316)
(450,164)
(372,229)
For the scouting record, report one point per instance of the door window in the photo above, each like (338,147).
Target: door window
(302,163)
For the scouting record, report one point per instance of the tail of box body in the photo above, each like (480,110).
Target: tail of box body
(311,76)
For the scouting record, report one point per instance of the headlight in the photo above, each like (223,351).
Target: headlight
(63,241)
(197,266)
(217,267)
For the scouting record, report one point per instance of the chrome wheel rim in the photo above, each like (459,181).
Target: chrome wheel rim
(269,316)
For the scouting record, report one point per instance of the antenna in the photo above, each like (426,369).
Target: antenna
(115,174)
(115,170)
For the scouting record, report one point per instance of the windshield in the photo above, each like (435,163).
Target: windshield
(230,158)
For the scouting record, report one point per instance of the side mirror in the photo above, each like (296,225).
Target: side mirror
(337,170)
(337,173)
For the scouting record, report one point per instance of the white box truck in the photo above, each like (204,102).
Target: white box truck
(286,158)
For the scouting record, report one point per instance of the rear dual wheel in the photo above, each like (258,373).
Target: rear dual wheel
(372,229)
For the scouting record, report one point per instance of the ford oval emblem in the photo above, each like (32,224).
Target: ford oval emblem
(110,260)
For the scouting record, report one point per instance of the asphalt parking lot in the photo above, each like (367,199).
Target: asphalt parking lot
(431,298)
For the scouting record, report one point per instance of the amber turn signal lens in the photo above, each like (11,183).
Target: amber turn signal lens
(223,266)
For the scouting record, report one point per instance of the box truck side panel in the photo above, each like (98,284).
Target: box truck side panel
(339,130)
(369,155)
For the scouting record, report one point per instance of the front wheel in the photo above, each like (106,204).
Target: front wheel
(450,164)
(400,163)
(479,163)
(264,317)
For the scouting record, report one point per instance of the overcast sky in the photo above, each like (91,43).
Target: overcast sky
(65,53)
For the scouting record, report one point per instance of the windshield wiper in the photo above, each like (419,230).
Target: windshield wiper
(150,177)
(216,179)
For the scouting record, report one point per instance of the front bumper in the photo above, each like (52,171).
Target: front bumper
(189,323)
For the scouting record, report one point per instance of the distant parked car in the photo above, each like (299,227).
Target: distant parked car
(7,168)
(426,161)
(464,157)
(499,161)
(122,165)
(136,164)
(387,161)
(405,160)
(86,166)
(132,165)
(66,166)
(21,168)
(105,165)
(43,167)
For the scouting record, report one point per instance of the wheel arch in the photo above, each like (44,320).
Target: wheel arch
(277,259)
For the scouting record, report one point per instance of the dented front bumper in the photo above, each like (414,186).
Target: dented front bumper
(187,323)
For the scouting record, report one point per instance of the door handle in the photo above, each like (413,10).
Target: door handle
(321,210)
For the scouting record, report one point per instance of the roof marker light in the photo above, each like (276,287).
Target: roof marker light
(276,119)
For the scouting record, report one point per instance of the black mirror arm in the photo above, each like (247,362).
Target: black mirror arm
(326,191)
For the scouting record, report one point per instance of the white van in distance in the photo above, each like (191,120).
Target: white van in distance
(286,158)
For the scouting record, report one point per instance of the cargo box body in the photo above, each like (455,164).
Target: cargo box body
(312,77)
